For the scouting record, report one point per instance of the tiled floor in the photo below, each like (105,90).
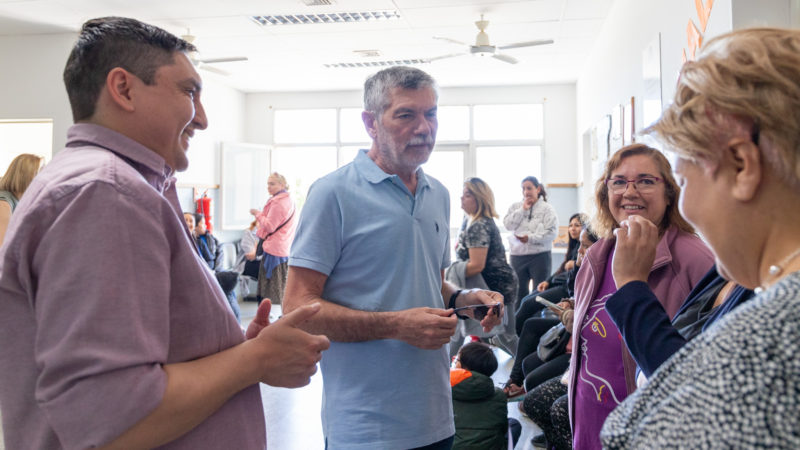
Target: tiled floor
(293,415)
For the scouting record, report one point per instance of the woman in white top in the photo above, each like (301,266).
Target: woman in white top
(533,225)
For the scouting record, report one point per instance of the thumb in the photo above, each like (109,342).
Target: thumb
(300,315)
(262,315)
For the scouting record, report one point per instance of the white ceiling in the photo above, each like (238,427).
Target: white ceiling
(291,57)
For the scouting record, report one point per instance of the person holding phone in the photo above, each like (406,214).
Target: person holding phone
(480,245)
(533,224)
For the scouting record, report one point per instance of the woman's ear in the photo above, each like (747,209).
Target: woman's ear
(744,158)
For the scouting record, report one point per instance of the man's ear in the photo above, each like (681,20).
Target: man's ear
(119,86)
(745,159)
(369,123)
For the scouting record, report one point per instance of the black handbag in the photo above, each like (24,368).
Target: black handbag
(553,343)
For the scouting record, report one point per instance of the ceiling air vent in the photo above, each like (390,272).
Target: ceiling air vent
(396,62)
(319,2)
(342,17)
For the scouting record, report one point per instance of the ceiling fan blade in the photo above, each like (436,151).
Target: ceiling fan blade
(451,55)
(213,69)
(505,58)
(526,44)
(222,59)
(452,41)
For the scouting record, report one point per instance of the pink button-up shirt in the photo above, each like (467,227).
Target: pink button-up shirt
(100,286)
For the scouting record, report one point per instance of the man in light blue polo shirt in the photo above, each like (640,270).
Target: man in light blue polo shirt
(371,246)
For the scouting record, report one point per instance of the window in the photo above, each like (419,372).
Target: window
(17,137)
(447,166)
(508,122)
(311,126)
(503,168)
(302,166)
(453,123)
(351,126)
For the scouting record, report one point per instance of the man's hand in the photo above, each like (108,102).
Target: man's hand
(289,355)
(478,296)
(635,251)
(426,328)
(522,238)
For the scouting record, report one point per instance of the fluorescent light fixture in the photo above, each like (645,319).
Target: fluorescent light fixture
(396,62)
(342,17)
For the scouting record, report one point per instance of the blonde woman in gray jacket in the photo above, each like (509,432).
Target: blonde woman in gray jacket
(533,224)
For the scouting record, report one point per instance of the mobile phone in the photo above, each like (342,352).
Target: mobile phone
(548,303)
(479,311)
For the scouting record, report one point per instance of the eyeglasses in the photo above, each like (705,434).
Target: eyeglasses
(478,311)
(645,184)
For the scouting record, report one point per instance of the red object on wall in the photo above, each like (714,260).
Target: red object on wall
(204,208)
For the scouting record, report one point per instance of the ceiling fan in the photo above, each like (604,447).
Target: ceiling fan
(483,47)
(204,63)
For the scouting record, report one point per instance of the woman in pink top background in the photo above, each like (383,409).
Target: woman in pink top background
(276,226)
(637,186)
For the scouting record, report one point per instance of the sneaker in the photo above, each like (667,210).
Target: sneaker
(539,441)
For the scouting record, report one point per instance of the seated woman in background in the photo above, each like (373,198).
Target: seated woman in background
(734,127)
(528,368)
(556,287)
(14,183)
(533,224)
(637,181)
(480,245)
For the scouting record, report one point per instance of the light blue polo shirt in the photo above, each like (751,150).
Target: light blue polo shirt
(382,249)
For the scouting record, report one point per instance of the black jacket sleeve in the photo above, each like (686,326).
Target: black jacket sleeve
(644,325)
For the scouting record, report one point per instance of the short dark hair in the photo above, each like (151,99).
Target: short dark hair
(478,357)
(108,42)
(199,217)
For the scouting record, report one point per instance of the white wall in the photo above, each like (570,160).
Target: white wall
(560,158)
(31,87)
(614,71)
(30,80)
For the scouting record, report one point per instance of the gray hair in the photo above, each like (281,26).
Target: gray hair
(378,86)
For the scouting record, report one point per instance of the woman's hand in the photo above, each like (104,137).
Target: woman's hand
(254,212)
(635,251)
(528,202)
(542,286)
(523,239)
(569,265)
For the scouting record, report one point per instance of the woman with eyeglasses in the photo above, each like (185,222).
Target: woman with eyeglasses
(637,185)
(480,245)
(533,224)
(733,126)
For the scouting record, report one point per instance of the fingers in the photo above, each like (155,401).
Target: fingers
(260,321)
(300,314)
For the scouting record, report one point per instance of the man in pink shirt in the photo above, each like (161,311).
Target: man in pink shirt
(113,333)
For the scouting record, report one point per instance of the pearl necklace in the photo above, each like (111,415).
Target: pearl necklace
(776,269)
